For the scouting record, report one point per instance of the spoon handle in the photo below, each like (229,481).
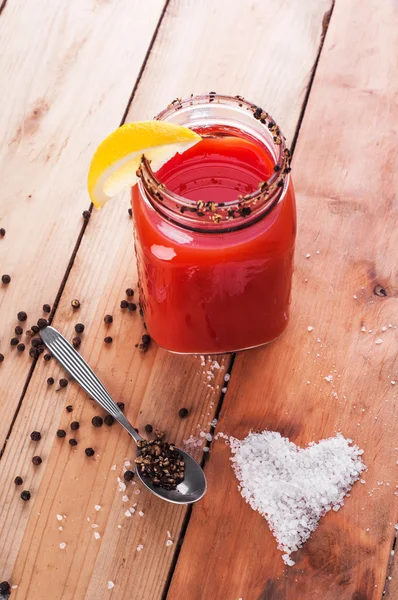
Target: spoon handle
(77,367)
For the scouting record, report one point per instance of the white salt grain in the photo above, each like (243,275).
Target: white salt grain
(62,545)
(60,528)
(307,255)
(125,498)
(110,585)
(169,542)
(94,526)
(59,517)
(97,507)
(113,468)
(328,378)
(293,487)
(224,389)
(168,534)
(141,513)
(139,547)
(127,513)
(310,328)
(379,341)
(96,535)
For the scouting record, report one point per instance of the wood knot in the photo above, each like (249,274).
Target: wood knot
(378,290)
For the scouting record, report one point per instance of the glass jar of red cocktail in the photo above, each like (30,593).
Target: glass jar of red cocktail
(215,230)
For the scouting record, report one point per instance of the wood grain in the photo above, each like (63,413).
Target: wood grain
(154,385)
(346,178)
(65,85)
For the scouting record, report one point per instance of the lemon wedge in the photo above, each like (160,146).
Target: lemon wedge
(116,160)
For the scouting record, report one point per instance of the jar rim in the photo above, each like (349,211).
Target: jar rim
(193,214)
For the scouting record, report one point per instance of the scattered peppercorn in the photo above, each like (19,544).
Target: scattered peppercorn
(69,408)
(25,495)
(36,460)
(75,303)
(63,383)
(132,306)
(76,341)
(22,316)
(50,381)
(141,311)
(42,323)
(108,319)
(1,358)
(35,436)
(5,279)
(120,405)
(143,347)
(73,442)
(36,342)
(40,349)
(108,339)
(79,328)
(130,211)
(33,353)
(183,412)
(18,480)
(5,589)
(2,232)
(46,308)
(47,357)
(14,341)
(21,347)
(89,452)
(97,421)
(75,425)
(61,433)
(148,428)
(128,475)
(146,339)
(35,329)
(18,330)
(109,420)
(124,304)
(86,214)
(129,292)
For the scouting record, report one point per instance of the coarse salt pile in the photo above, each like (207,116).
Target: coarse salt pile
(293,487)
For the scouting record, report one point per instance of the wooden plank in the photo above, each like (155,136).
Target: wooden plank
(154,385)
(65,85)
(391,587)
(346,177)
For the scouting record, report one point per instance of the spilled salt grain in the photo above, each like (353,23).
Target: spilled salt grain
(125,498)
(379,341)
(169,542)
(224,389)
(206,449)
(141,513)
(139,547)
(60,528)
(94,526)
(110,585)
(59,517)
(293,487)
(307,255)
(328,378)
(97,507)
(62,545)
(96,535)
(127,513)
(310,328)
(168,534)
(227,377)
(113,468)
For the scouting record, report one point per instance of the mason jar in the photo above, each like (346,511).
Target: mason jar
(215,231)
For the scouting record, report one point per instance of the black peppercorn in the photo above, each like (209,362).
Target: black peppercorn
(132,306)
(148,428)
(1,358)
(36,460)
(61,433)
(50,381)
(108,319)
(42,323)
(89,452)
(35,436)
(21,347)
(69,408)
(86,215)
(143,347)
(35,329)
(128,475)
(25,495)
(14,341)
(75,303)
(47,357)
(5,279)
(108,339)
(97,421)
(124,304)
(79,328)
(33,353)
(22,316)
(130,211)
(63,383)
(109,420)
(75,425)
(2,232)
(18,480)
(5,589)
(146,339)
(18,330)
(72,442)
(129,292)
(120,405)
(183,412)
(76,342)
(36,342)
(46,308)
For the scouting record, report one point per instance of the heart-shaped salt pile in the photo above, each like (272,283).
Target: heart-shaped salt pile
(294,487)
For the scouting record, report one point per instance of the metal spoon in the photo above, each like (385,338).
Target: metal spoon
(193,488)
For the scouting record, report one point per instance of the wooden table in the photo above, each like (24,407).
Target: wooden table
(72,71)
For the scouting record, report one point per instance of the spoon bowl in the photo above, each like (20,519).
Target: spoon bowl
(192,489)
